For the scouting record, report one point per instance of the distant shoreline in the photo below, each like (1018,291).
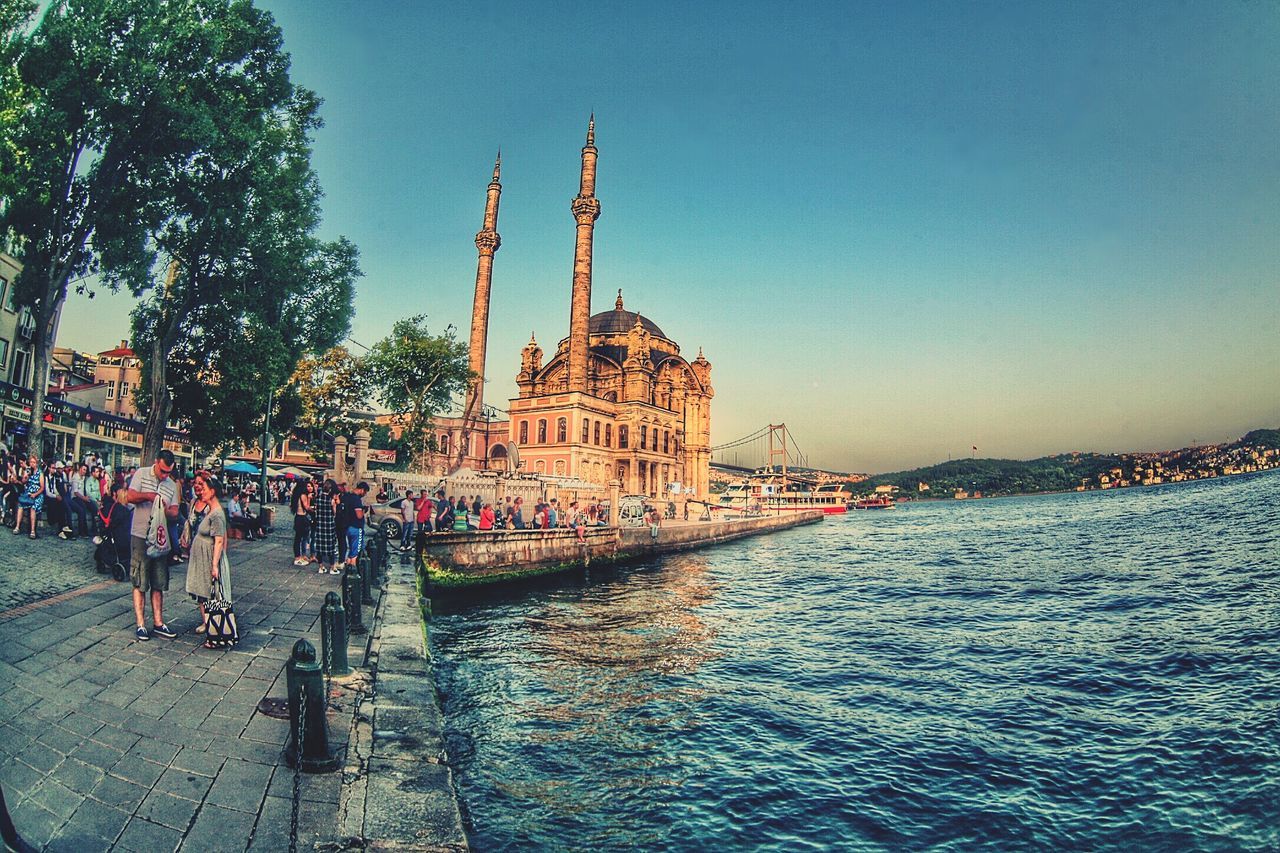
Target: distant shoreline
(1089,491)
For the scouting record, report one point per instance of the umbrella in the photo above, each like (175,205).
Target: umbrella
(242,468)
(291,471)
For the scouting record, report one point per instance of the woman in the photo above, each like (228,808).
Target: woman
(206,536)
(300,505)
(32,498)
(487,517)
(324,530)
(460,518)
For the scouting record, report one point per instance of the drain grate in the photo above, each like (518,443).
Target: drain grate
(277,708)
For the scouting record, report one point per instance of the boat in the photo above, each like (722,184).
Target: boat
(761,494)
(875,502)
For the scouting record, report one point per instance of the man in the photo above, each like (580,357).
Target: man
(351,509)
(408,517)
(79,507)
(425,518)
(150,574)
(553,514)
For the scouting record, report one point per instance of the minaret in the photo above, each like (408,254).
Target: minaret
(487,243)
(586,210)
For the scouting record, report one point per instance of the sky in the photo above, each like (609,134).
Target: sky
(904,230)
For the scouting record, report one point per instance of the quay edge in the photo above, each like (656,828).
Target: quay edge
(456,561)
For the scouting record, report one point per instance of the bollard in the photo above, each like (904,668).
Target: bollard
(365,565)
(351,600)
(306,713)
(9,832)
(378,555)
(333,636)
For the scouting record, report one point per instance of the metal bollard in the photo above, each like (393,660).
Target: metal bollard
(333,636)
(365,565)
(352,596)
(306,713)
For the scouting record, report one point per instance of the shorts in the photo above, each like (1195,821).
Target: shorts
(149,574)
(355,538)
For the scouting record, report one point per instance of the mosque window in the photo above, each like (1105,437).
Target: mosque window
(644,435)
(542,430)
(655,439)
(540,466)
(524,432)
(586,430)
(597,433)
(562,430)
(559,467)
(622,436)
(444,442)
(608,435)
(666,442)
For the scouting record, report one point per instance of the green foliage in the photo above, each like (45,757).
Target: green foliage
(996,476)
(330,387)
(1265,438)
(415,372)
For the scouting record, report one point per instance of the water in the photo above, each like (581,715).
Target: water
(1086,671)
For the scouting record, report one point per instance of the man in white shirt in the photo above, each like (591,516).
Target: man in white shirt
(150,574)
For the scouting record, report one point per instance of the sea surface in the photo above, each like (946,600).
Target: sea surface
(1094,671)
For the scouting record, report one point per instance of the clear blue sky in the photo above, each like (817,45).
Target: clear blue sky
(904,229)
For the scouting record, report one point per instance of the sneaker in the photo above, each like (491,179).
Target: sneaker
(63,535)
(66,530)
(321,570)
(142,633)
(335,571)
(163,631)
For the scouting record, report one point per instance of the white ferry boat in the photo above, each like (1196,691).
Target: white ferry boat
(772,493)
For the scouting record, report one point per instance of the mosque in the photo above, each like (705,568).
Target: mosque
(615,400)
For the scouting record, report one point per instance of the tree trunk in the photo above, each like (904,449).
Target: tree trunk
(40,352)
(158,411)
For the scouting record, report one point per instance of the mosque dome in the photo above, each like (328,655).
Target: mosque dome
(620,321)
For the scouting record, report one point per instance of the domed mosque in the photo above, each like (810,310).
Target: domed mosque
(616,400)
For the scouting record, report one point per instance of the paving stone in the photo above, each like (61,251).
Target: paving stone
(214,825)
(78,776)
(271,832)
(35,823)
(166,809)
(96,820)
(198,762)
(42,757)
(56,797)
(116,737)
(19,777)
(155,750)
(180,783)
(241,785)
(138,770)
(119,793)
(142,836)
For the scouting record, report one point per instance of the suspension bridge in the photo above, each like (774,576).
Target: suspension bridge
(773,445)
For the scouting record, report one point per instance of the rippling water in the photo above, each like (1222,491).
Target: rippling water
(1085,671)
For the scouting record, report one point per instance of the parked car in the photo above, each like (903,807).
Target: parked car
(386,518)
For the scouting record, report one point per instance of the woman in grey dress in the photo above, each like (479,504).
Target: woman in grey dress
(206,534)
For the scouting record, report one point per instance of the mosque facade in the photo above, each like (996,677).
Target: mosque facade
(615,400)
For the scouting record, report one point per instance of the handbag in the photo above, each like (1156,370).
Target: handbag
(223,632)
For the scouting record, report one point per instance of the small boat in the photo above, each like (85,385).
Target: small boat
(875,502)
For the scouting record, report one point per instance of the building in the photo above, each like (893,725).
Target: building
(17,328)
(121,371)
(615,400)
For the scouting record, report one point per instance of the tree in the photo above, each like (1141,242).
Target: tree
(128,108)
(417,374)
(330,387)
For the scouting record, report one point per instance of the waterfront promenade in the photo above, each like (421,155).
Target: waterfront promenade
(151,746)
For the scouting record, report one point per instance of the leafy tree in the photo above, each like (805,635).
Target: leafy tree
(128,110)
(416,373)
(330,387)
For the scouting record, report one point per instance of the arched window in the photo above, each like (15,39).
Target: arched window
(542,430)
(622,436)
(644,435)
(444,442)
(666,441)
(611,396)
(540,466)
(608,435)
(597,434)
(562,430)
(524,432)
(586,430)
(559,467)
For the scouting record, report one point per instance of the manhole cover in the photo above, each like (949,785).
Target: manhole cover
(278,708)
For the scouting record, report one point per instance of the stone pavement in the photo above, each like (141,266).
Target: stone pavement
(107,742)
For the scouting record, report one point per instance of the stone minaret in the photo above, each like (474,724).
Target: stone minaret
(586,210)
(487,243)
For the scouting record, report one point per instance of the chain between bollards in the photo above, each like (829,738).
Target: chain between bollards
(352,596)
(333,636)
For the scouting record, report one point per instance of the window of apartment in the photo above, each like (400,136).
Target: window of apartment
(6,294)
(586,430)
(608,435)
(111,389)
(124,390)
(21,360)
(4,353)
(542,430)
(597,434)
(524,432)
(562,430)
(622,436)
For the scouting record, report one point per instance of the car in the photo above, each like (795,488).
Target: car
(386,518)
